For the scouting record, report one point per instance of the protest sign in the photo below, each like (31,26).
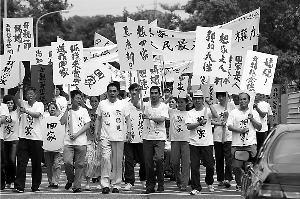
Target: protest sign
(18,38)
(67,62)
(137,126)
(42,78)
(43,56)
(53,133)
(274,100)
(96,75)
(102,54)
(177,68)
(180,86)
(116,74)
(258,72)
(134,48)
(212,52)
(10,73)
(100,41)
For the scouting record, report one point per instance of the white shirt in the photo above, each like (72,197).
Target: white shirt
(178,128)
(137,123)
(264,107)
(239,119)
(31,128)
(113,126)
(153,130)
(79,119)
(202,135)
(11,130)
(3,112)
(218,131)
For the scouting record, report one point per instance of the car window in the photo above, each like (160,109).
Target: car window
(265,144)
(286,149)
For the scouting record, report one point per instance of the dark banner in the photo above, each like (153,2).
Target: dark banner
(42,80)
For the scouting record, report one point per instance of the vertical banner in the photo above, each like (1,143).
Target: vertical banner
(274,100)
(134,45)
(43,56)
(42,78)
(18,38)
(180,86)
(258,72)
(67,62)
(212,52)
(100,41)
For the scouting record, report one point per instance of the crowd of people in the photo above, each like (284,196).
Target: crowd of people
(178,135)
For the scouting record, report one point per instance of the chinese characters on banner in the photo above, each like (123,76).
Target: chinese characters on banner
(67,62)
(258,72)
(100,41)
(96,75)
(52,136)
(137,126)
(116,74)
(9,77)
(148,78)
(134,48)
(43,56)
(175,45)
(274,101)
(18,38)
(42,77)
(180,86)
(212,52)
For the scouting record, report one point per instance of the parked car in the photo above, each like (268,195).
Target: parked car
(276,172)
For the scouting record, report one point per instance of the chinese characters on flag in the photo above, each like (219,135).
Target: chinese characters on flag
(67,57)
(180,86)
(212,52)
(258,72)
(134,48)
(51,131)
(43,56)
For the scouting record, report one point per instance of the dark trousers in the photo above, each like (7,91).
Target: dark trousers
(206,152)
(10,149)
(29,149)
(130,150)
(154,151)
(223,150)
(260,137)
(2,185)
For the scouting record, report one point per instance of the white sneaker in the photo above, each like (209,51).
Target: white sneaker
(12,186)
(211,188)
(143,184)
(99,187)
(195,192)
(128,187)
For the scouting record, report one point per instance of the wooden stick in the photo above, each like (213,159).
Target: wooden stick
(225,118)
(20,81)
(69,112)
(206,95)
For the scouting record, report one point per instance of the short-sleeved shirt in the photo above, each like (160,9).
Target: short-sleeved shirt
(202,135)
(178,129)
(240,119)
(79,118)
(218,131)
(30,127)
(113,126)
(11,129)
(3,112)
(153,130)
(264,107)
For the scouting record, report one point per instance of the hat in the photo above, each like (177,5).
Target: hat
(197,93)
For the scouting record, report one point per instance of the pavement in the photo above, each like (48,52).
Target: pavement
(171,190)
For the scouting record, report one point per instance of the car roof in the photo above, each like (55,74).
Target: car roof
(287,127)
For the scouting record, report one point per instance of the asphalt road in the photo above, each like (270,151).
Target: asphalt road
(171,191)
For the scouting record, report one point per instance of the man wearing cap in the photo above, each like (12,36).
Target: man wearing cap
(201,141)
(222,140)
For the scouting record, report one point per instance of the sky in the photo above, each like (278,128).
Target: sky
(113,7)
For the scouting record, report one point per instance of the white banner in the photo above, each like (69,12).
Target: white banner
(180,86)
(100,41)
(134,48)
(43,56)
(258,72)
(53,133)
(18,38)
(96,77)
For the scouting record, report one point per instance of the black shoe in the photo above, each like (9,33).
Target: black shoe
(55,186)
(18,190)
(115,190)
(68,186)
(148,191)
(78,190)
(105,190)
(35,190)
(160,189)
